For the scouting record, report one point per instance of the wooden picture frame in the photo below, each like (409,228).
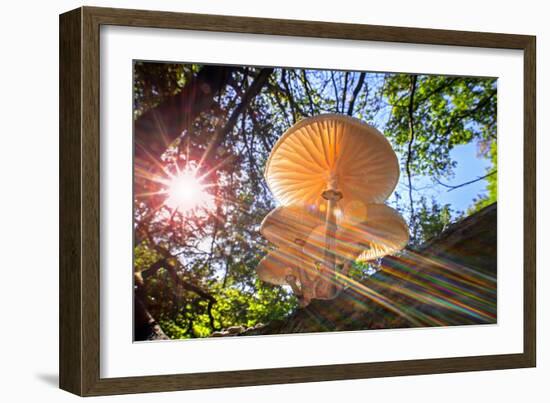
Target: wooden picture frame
(80,200)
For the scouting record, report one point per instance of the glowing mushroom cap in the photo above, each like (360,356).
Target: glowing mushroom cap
(278,264)
(343,249)
(381,231)
(289,226)
(328,149)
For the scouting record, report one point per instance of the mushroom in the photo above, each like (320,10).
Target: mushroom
(275,267)
(290,267)
(331,157)
(289,226)
(384,229)
(377,232)
(324,159)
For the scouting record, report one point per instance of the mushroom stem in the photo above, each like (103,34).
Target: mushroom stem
(331,195)
(330,235)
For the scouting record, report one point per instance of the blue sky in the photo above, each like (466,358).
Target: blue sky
(469,167)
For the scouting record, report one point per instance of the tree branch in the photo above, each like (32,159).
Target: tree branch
(355,93)
(335,91)
(307,87)
(410,145)
(453,187)
(469,112)
(145,326)
(247,97)
(157,128)
(345,91)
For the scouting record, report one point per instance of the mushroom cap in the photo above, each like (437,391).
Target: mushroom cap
(343,249)
(382,231)
(289,226)
(316,151)
(280,263)
(385,231)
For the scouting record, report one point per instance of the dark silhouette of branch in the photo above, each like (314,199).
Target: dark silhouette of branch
(154,268)
(259,81)
(446,84)
(171,264)
(210,315)
(254,168)
(276,96)
(145,326)
(308,90)
(469,112)
(295,108)
(289,95)
(187,285)
(157,128)
(453,187)
(345,90)
(268,145)
(356,91)
(335,91)
(410,145)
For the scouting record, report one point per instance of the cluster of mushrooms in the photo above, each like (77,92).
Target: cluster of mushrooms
(331,175)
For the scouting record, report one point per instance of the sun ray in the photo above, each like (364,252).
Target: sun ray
(185,192)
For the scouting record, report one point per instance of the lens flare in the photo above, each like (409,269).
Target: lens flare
(186,193)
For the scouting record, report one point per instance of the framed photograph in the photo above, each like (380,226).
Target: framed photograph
(249,201)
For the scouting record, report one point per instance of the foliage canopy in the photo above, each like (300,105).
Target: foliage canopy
(195,271)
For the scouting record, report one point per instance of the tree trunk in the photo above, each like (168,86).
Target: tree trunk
(450,280)
(145,326)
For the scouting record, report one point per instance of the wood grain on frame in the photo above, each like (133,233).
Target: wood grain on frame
(79,200)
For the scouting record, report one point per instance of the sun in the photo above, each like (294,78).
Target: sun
(186,192)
